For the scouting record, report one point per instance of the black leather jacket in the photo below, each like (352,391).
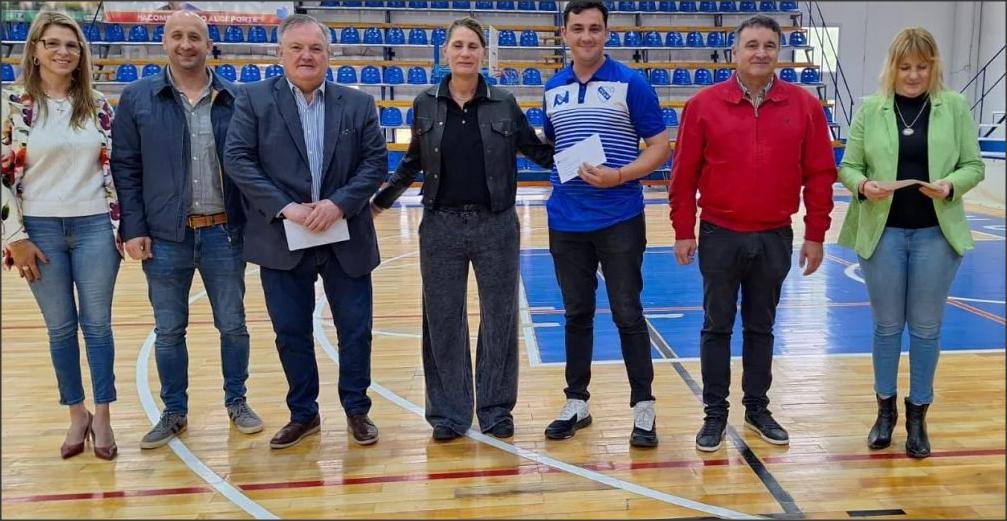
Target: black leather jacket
(504,131)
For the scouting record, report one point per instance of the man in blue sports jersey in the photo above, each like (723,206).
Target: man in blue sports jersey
(598,216)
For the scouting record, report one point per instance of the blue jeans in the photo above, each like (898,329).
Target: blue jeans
(169,278)
(290,301)
(908,278)
(81,253)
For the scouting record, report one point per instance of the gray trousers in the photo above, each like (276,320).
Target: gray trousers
(449,241)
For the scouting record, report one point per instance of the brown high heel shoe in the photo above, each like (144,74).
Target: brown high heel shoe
(68,451)
(106,453)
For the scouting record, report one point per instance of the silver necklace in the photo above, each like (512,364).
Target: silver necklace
(908,130)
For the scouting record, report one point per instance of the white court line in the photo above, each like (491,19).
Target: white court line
(528,326)
(627,486)
(851,272)
(177,446)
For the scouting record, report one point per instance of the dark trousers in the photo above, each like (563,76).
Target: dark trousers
(576,256)
(290,301)
(757,263)
(450,240)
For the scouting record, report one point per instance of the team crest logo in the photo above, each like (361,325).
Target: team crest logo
(606,92)
(561,98)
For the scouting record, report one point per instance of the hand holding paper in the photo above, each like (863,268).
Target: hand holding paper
(300,237)
(588,151)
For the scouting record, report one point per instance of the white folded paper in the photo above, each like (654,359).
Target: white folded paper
(588,151)
(299,237)
(895,185)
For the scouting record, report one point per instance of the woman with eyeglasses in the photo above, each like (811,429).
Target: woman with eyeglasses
(60,216)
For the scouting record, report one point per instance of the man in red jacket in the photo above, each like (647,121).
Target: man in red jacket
(748,145)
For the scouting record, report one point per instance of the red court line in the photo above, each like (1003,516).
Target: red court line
(508,471)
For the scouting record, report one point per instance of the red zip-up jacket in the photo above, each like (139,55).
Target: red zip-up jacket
(749,166)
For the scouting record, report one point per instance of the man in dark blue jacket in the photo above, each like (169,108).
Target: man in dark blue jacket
(180,213)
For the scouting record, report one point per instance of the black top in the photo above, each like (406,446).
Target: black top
(463,167)
(910,208)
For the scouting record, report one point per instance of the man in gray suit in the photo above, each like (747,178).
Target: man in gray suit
(311,152)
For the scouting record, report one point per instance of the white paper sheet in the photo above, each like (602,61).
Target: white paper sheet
(588,151)
(299,237)
(895,185)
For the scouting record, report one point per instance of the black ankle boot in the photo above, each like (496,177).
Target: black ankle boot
(888,414)
(917,443)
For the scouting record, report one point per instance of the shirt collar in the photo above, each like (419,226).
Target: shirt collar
(294,89)
(598,75)
(762,94)
(482,90)
(171,79)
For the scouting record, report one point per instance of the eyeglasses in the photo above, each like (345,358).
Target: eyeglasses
(71,47)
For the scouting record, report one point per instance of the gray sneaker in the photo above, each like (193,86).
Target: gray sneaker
(244,417)
(170,425)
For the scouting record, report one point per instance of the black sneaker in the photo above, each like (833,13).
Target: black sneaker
(711,436)
(444,433)
(770,431)
(503,429)
(573,417)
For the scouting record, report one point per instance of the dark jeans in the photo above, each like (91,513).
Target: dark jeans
(576,256)
(290,301)
(169,279)
(449,241)
(756,262)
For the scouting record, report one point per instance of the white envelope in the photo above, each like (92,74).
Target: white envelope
(588,151)
(299,237)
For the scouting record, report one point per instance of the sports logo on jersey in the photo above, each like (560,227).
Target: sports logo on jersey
(561,98)
(606,92)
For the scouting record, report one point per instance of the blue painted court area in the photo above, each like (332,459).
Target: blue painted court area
(825,313)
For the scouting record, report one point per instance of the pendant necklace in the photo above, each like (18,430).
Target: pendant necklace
(908,130)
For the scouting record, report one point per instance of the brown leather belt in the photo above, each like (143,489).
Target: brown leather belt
(203,221)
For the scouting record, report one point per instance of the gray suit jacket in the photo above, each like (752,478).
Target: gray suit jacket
(268,161)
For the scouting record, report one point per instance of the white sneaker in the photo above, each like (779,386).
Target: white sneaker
(643,415)
(572,417)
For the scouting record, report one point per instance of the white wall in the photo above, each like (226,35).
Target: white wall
(968,34)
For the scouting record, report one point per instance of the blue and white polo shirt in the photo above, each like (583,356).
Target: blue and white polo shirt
(620,106)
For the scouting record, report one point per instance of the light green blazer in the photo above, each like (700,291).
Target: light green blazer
(872,153)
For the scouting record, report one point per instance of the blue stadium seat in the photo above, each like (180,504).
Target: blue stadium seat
(507,38)
(529,38)
(626,6)
(784,40)
(151,69)
(349,35)
(436,75)
(114,33)
(632,39)
(234,34)
(485,6)
(531,76)
(440,4)
(788,74)
(328,74)
(674,39)
(652,39)
(257,34)
(613,40)
(372,36)
(722,74)
(730,39)
(332,35)
(19,32)
(704,76)
(418,36)
(158,35)
(346,75)
(374,4)
(828,114)
(393,75)
(669,116)
(391,117)
(352,3)
(139,34)
(526,6)
(708,6)
(250,73)
(214,33)
(687,6)
(547,6)
(418,5)
(767,5)
(728,7)
(275,70)
(490,79)
(329,3)
(438,36)
(810,75)
(509,76)
(660,77)
(370,75)
(648,7)
(667,7)
(505,6)
(461,5)
(715,39)
(417,76)
(694,39)
(91,33)
(409,116)
(227,71)
(798,39)
(8,73)
(681,77)
(747,6)
(788,6)
(396,4)
(536,116)
(126,73)
(395,36)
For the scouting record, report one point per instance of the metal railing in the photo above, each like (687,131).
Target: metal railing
(980,102)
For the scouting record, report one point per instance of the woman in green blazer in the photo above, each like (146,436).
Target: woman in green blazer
(910,240)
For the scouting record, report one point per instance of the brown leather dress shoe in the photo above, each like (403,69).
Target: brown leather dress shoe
(362,428)
(292,433)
